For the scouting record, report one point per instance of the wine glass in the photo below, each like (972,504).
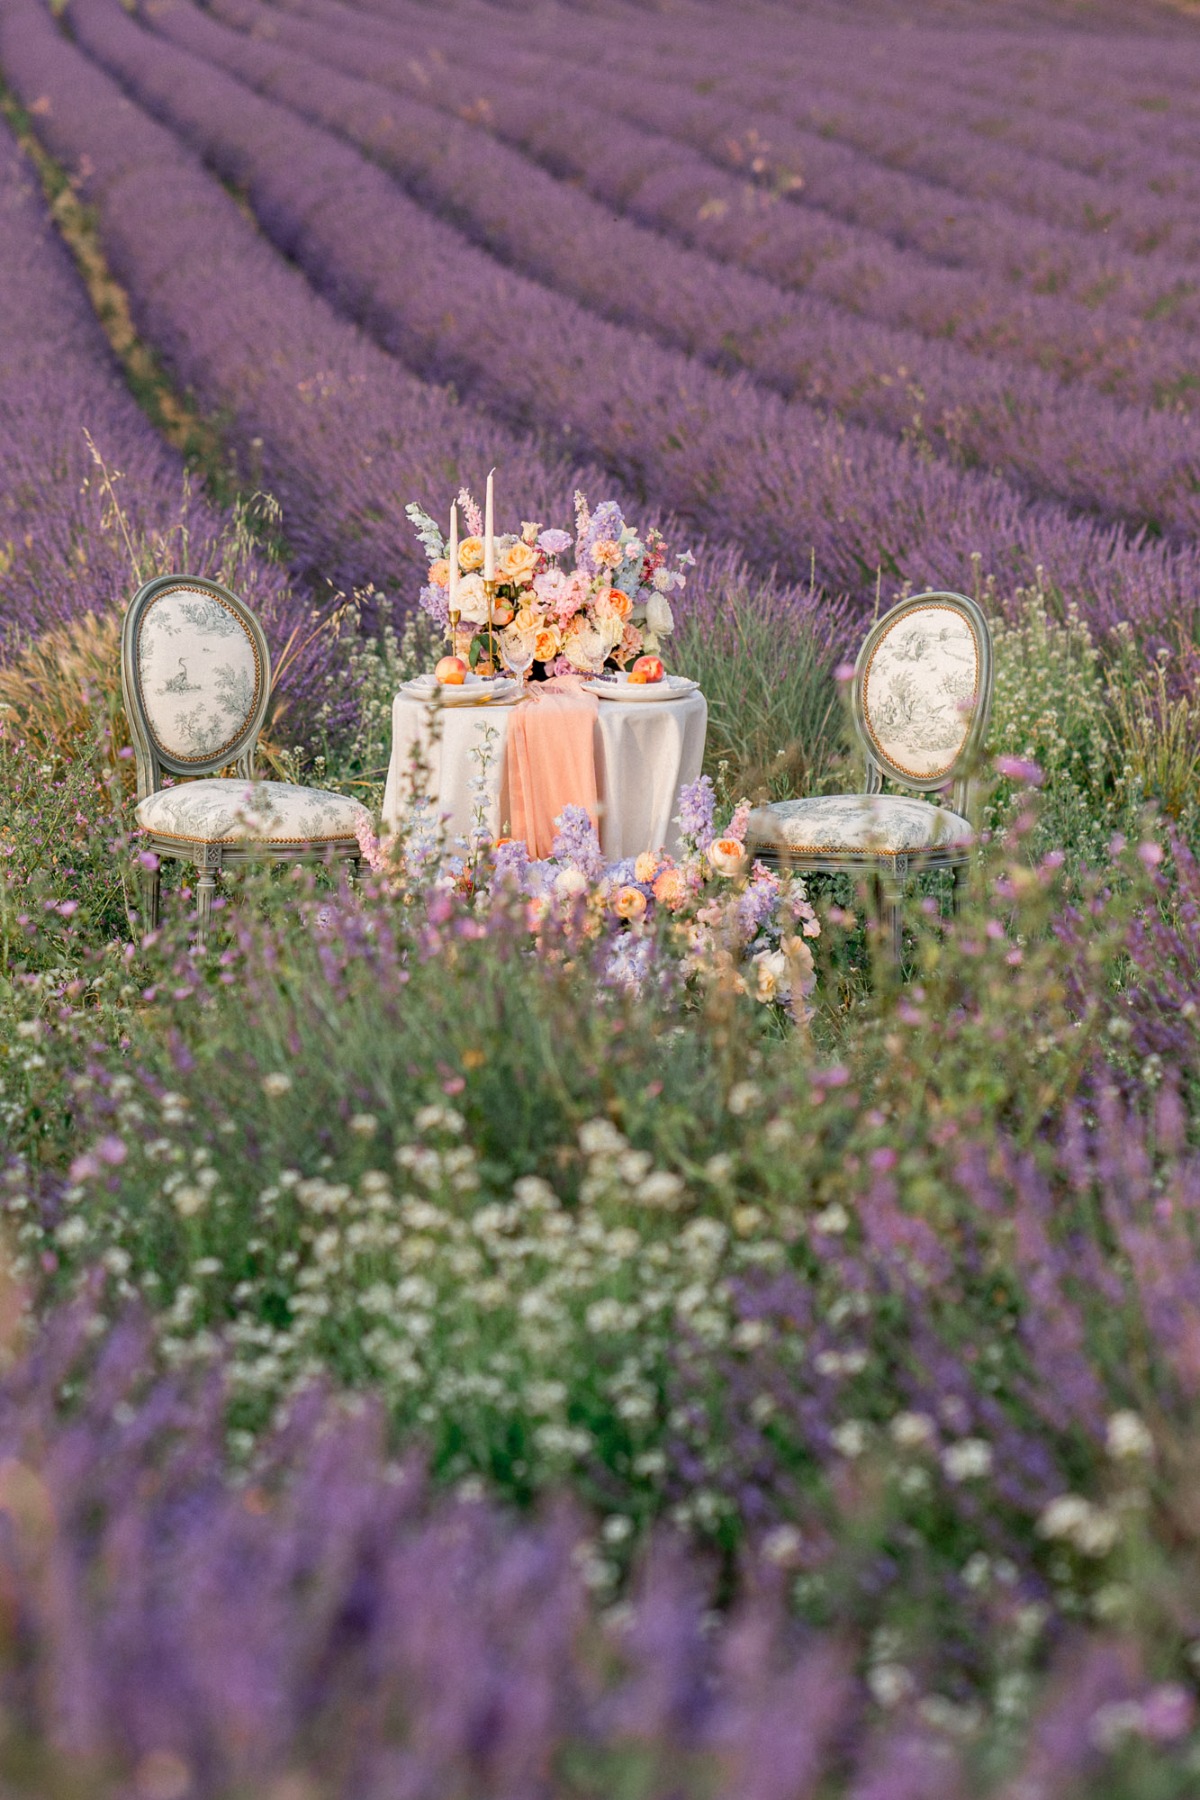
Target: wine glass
(516,652)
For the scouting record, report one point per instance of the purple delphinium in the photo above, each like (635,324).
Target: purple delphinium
(577,843)
(695,816)
(607,521)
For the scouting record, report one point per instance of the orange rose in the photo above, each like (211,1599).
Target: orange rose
(670,889)
(470,554)
(629,903)
(728,856)
(547,644)
(439,573)
(612,600)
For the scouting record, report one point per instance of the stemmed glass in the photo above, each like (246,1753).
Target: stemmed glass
(516,653)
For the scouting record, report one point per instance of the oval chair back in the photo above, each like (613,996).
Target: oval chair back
(196,676)
(923,693)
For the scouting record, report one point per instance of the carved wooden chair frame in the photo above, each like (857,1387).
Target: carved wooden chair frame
(153,761)
(894,868)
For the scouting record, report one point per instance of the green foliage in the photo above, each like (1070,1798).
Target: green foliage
(775,726)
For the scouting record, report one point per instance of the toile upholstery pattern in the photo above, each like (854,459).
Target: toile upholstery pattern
(224,811)
(919,690)
(857,824)
(198,671)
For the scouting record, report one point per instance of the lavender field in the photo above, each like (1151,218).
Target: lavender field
(543,1330)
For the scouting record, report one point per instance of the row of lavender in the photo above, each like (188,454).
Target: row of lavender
(776,480)
(336,430)
(1054,440)
(983,234)
(62,553)
(849,75)
(727,213)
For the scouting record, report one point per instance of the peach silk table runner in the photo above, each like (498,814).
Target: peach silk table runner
(551,758)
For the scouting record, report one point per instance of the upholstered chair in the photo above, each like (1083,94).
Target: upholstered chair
(196,675)
(922,693)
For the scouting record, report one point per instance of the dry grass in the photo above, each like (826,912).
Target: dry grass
(66,687)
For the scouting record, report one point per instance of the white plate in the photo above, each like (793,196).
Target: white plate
(671,687)
(473,690)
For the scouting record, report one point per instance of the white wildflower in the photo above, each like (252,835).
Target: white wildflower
(913,1431)
(850,1439)
(744,1096)
(275,1085)
(968,1460)
(1128,1438)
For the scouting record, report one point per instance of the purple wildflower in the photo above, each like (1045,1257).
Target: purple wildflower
(695,815)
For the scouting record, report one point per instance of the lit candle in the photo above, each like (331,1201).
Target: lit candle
(489,533)
(452,554)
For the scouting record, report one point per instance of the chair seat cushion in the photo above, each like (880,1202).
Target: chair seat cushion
(222,811)
(856,825)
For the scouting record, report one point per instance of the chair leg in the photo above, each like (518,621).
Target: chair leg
(890,917)
(955,889)
(206,887)
(150,881)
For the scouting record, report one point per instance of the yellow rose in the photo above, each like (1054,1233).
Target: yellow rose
(629,903)
(470,553)
(516,563)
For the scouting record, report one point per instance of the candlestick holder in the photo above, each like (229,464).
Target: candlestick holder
(455,616)
(489,588)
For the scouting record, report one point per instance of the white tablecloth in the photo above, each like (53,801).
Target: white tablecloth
(646,750)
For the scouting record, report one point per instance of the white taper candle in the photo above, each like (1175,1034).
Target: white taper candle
(489,532)
(452,557)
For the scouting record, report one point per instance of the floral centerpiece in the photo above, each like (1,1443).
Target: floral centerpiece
(585,603)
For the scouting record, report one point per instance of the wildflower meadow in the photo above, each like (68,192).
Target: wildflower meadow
(497,1320)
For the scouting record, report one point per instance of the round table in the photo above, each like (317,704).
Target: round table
(646,750)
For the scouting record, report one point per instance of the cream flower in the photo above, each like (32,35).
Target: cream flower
(647,866)
(472,600)
(771,976)
(659,617)
(470,554)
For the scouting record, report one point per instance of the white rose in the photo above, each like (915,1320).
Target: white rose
(472,600)
(569,882)
(659,616)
